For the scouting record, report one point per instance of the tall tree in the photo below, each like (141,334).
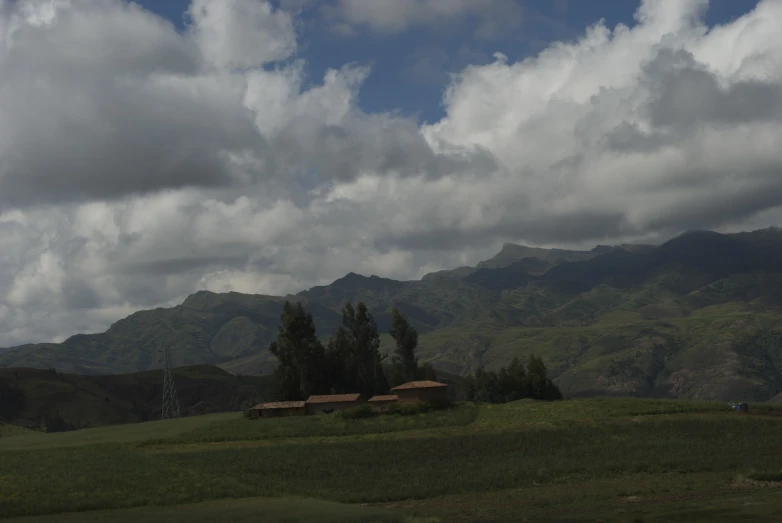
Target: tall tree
(12,401)
(368,358)
(539,384)
(404,363)
(340,365)
(513,382)
(340,355)
(354,353)
(301,356)
(426,372)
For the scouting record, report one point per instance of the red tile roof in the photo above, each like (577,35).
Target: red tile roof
(334,398)
(392,397)
(280,405)
(419,385)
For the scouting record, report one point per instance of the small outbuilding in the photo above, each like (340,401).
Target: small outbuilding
(379,403)
(331,402)
(279,409)
(420,391)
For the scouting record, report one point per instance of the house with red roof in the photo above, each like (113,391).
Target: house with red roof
(420,391)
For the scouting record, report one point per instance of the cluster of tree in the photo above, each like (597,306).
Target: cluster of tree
(52,421)
(350,361)
(12,401)
(513,383)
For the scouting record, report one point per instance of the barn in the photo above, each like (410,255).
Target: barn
(331,402)
(379,403)
(279,409)
(421,391)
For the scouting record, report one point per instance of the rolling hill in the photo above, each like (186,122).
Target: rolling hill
(57,401)
(699,317)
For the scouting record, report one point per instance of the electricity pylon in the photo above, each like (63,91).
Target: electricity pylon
(170,401)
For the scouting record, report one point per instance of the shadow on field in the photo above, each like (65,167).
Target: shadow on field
(756,507)
(267,510)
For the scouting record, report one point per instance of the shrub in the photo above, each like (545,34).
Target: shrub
(392,408)
(442,404)
(408,409)
(362,411)
(247,404)
(54,422)
(769,477)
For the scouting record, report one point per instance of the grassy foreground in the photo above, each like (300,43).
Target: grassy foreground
(578,460)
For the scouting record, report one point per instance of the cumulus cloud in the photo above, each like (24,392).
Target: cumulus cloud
(104,99)
(240,34)
(138,164)
(667,125)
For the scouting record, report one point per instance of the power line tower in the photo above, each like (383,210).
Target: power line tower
(170,400)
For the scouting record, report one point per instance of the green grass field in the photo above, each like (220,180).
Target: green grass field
(116,434)
(610,459)
(7,430)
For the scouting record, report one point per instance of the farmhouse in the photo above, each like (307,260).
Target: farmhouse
(332,402)
(379,403)
(279,408)
(415,391)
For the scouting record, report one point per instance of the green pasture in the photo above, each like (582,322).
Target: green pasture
(562,460)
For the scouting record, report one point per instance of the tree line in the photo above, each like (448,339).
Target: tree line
(512,383)
(351,361)
(12,401)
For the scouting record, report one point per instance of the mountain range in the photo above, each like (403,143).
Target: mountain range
(697,317)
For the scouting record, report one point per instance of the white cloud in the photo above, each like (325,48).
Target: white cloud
(104,99)
(138,165)
(633,129)
(241,34)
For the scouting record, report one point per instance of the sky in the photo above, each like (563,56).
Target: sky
(152,149)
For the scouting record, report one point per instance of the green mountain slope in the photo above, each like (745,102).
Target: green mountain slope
(512,252)
(676,320)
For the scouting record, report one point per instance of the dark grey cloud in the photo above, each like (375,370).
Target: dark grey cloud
(628,138)
(593,226)
(77,294)
(106,99)
(139,144)
(183,264)
(687,95)
(380,144)
(725,208)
